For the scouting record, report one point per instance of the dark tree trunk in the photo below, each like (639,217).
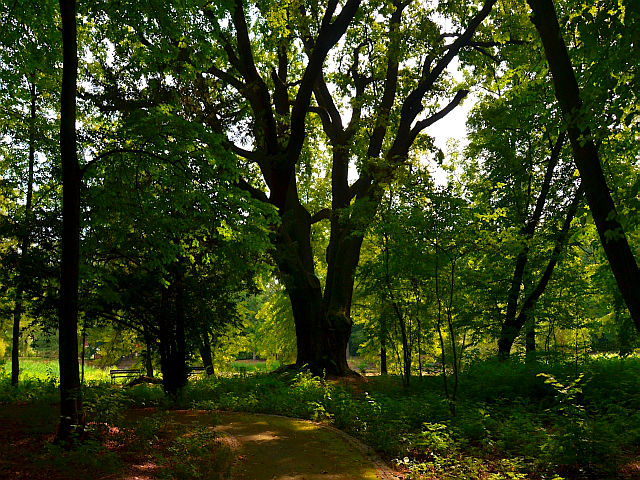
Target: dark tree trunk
(383,346)
(148,358)
(509,326)
(323,325)
(510,332)
(172,339)
(24,247)
(206,353)
(15,341)
(71,417)
(585,154)
(530,340)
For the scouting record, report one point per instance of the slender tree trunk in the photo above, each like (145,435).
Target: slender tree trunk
(383,335)
(71,417)
(443,356)
(585,154)
(509,335)
(530,340)
(419,350)
(452,337)
(15,341)
(26,239)
(82,355)
(509,326)
(148,359)
(206,353)
(406,343)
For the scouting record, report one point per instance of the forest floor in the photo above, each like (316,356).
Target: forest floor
(272,447)
(511,422)
(184,444)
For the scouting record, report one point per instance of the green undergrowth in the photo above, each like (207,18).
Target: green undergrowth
(511,420)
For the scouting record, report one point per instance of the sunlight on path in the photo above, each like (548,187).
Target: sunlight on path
(279,448)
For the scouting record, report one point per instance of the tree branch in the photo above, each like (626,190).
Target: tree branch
(324,214)
(413,104)
(330,33)
(226,77)
(255,193)
(422,124)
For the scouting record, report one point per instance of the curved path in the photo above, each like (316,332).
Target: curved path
(270,447)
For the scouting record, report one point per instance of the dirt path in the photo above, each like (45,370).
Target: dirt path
(280,448)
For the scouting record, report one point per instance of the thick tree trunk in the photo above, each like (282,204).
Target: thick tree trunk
(24,246)
(172,339)
(322,329)
(585,154)
(71,417)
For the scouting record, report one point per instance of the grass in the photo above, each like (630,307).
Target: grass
(41,369)
(512,420)
(244,367)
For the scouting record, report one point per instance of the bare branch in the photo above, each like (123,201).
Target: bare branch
(422,124)
(246,154)
(324,214)
(226,77)
(413,104)
(330,33)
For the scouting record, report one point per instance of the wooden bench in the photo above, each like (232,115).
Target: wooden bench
(195,370)
(124,373)
(133,373)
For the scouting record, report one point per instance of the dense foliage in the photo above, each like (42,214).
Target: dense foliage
(189,183)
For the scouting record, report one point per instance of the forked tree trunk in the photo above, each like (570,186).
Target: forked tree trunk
(71,418)
(510,331)
(510,327)
(585,154)
(323,324)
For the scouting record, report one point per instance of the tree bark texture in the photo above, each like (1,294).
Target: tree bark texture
(70,394)
(585,153)
(530,340)
(321,334)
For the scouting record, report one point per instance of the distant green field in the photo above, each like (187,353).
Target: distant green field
(41,369)
(253,366)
